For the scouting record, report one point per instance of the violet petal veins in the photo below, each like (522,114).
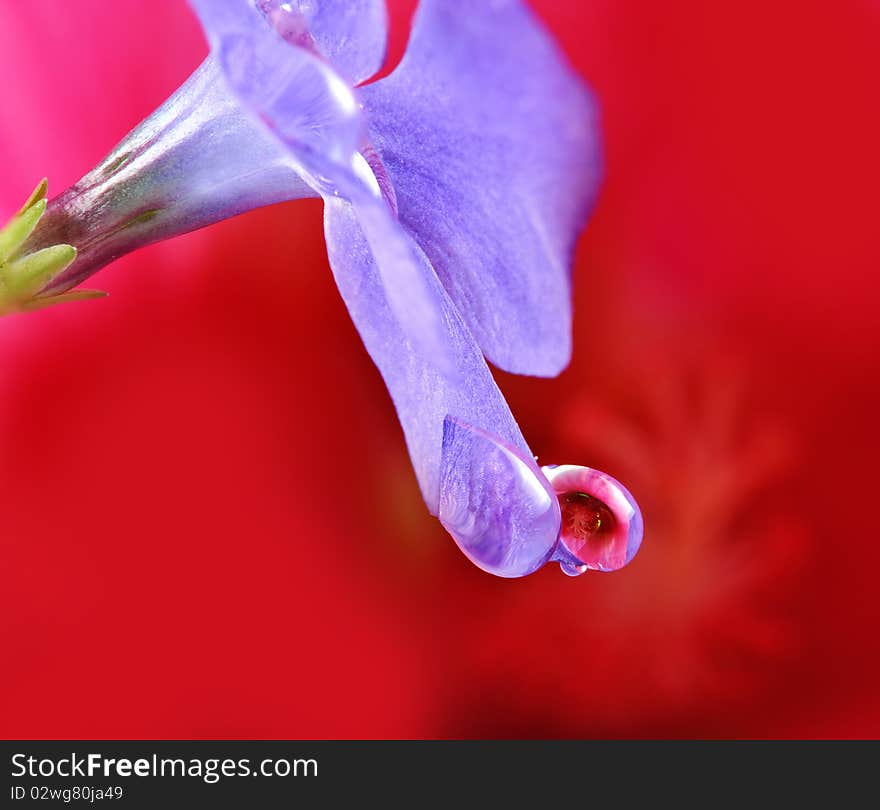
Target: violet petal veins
(454,190)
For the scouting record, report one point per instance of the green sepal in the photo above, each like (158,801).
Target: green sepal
(39,193)
(15,234)
(62,298)
(29,274)
(24,275)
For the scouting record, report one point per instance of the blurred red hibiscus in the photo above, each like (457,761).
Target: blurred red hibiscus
(210,527)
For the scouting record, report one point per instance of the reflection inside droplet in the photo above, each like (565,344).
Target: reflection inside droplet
(601,526)
(585,519)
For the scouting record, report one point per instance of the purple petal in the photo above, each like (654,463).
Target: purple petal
(350,34)
(409,292)
(501,511)
(490,141)
(494,473)
(313,113)
(292,90)
(296,95)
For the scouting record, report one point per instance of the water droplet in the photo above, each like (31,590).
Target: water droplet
(602,524)
(290,20)
(572,570)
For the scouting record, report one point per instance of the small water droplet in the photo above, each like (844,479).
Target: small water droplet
(290,21)
(602,524)
(572,570)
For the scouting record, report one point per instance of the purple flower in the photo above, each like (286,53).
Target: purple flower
(454,190)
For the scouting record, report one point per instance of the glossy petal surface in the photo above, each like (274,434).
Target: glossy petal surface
(495,502)
(490,140)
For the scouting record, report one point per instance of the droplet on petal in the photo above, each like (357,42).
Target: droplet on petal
(602,525)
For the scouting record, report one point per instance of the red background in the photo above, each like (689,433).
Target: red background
(209,526)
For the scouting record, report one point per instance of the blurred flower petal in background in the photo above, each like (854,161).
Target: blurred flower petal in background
(210,526)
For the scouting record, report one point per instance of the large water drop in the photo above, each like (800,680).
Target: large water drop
(602,524)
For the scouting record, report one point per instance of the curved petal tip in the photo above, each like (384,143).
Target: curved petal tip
(495,502)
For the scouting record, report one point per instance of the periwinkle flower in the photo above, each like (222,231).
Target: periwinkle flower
(453,189)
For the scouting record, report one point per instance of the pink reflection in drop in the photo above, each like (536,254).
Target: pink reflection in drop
(602,525)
